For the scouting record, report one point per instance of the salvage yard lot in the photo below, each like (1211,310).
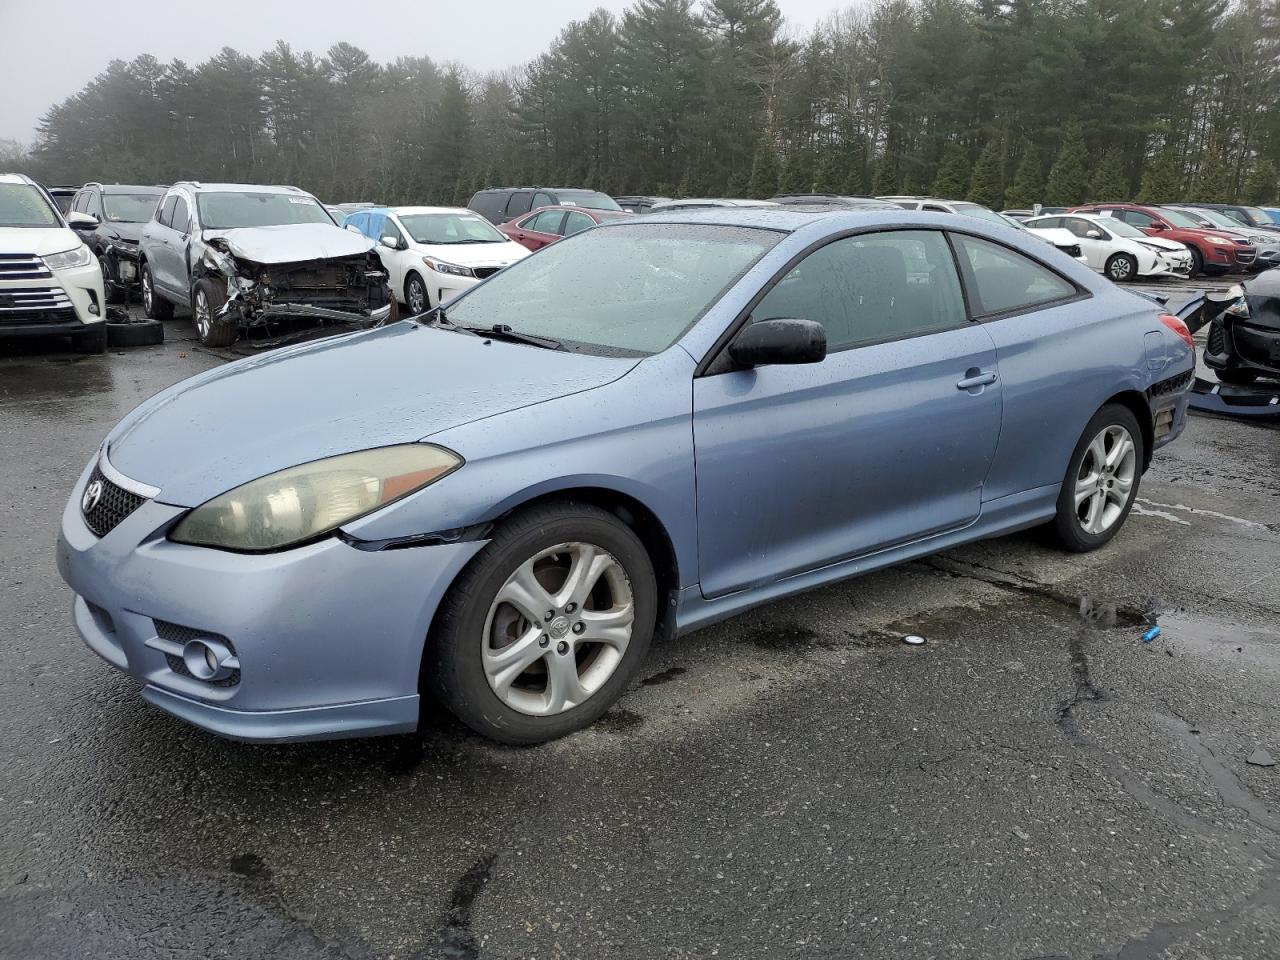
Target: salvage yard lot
(1032,782)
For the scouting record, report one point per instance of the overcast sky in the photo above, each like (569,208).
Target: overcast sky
(52,48)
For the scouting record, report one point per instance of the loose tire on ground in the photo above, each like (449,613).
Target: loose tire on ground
(1073,531)
(137,333)
(207,299)
(460,647)
(154,306)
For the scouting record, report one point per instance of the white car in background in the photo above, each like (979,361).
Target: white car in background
(434,253)
(1116,249)
(967,208)
(50,281)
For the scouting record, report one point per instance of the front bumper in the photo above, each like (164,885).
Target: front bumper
(328,637)
(69,302)
(1170,265)
(1235,344)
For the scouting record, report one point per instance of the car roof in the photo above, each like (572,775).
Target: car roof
(197,186)
(787,219)
(16,178)
(134,188)
(405,211)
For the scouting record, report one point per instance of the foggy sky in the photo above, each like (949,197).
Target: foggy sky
(53,47)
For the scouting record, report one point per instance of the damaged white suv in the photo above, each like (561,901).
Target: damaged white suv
(257,259)
(50,282)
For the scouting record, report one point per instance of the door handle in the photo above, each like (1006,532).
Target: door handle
(973,377)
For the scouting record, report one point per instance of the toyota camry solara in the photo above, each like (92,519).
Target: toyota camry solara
(642,429)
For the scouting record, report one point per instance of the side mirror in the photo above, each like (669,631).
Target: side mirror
(779,341)
(1093,234)
(82,221)
(391,242)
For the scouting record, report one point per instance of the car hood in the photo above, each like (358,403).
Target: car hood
(41,241)
(291,243)
(475,254)
(395,384)
(1160,242)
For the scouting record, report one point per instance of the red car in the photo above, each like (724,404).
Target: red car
(1212,251)
(546,225)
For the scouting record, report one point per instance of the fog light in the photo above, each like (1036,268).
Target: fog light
(207,659)
(93,309)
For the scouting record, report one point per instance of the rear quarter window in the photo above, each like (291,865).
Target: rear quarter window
(1004,281)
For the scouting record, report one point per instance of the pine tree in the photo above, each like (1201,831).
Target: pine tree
(987,187)
(686,188)
(797,172)
(1027,188)
(828,178)
(855,161)
(1260,187)
(1069,177)
(764,172)
(1162,179)
(1109,182)
(953,173)
(884,181)
(1213,181)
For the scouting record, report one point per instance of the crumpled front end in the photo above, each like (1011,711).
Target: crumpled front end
(279,296)
(1244,338)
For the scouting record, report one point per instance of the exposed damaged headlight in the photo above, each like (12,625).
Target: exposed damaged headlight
(306,502)
(451,269)
(215,259)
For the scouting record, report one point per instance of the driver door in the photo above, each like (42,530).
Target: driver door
(887,440)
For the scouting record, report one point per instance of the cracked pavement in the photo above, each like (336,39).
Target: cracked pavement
(1033,782)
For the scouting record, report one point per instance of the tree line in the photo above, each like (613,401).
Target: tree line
(1005,102)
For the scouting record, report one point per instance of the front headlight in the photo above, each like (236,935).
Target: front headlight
(80,256)
(306,502)
(1220,241)
(452,269)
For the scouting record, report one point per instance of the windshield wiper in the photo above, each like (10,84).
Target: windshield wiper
(502,331)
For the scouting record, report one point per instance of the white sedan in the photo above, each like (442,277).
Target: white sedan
(434,253)
(1116,249)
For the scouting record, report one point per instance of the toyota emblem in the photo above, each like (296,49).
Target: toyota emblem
(92,494)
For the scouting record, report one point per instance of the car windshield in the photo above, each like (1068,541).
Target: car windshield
(22,205)
(450,228)
(1257,217)
(1179,219)
(129,207)
(226,211)
(1214,218)
(629,290)
(1122,229)
(587,198)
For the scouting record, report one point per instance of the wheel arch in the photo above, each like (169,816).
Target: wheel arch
(1137,404)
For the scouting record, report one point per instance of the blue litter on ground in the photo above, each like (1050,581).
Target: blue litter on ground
(1151,635)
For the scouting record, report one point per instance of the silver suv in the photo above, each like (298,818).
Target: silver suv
(265,259)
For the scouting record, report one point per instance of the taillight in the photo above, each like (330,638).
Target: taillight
(1178,327)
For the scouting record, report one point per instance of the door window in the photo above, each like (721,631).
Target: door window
(519,203)
(1080,227)
(575,222)
(546,222)
(81,203)
(542,200)
(1140,220)
(872,287)
(165,215)
(1047,223)
(1003,280)
(180,220)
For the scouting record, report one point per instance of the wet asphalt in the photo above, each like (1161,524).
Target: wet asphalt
(1033,782)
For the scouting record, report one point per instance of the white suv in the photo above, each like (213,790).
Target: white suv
(50,282)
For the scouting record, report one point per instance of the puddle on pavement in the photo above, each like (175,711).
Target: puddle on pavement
(34,382)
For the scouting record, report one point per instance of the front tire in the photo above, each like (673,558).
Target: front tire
(546,627)
(154,306)
(416,297)
(214,328)
(1101,480)
(1122,268)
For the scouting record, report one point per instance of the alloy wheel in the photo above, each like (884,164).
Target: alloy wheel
(202,313)
(557,629)
(1121,268)
(1105,480)
(417,297)
(146,291)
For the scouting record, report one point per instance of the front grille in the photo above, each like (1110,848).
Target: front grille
(1217,343)
(1172,385)
(482,272)
(23,305)
(112,506)
(1245,255)
(1257,346)
(177,633)
(22,266)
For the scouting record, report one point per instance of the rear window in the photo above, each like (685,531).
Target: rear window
(587,198)
(227,211)
(22,205)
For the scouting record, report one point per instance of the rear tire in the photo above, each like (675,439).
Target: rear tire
(1101,481)
(535,554)
(154,305)
(213,329)
(93,340)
